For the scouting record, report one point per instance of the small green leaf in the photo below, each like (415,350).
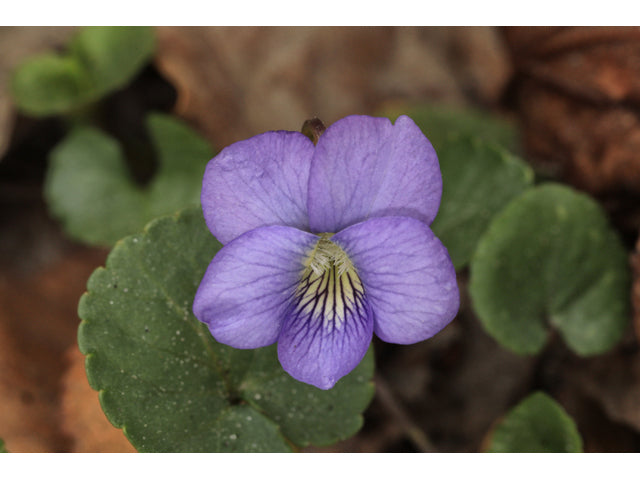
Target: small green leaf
(440,122)
(550,257)
(50,84)
(99,60)
(3,448)
(478,179)
(90,189)
(165,381)
(538,424)
(113,55)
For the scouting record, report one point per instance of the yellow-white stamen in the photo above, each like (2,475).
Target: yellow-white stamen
(330,290)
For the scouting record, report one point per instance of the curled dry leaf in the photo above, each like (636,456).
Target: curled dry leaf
(595,63)
(235,82)
(578,94)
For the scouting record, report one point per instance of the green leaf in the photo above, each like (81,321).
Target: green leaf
(113,55)
(165,381)
(538,424)
(99,60)
(90,189)
(440,122)
(49,84)
(478,179)
(550,257)
(3,448)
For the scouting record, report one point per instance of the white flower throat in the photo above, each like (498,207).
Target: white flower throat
(327,254)
(330,291)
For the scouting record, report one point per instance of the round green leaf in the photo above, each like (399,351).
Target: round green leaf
(478,179)
(113,55)
(165,381)
(440,122)
(99,60)
(90,189)
(550,257)
(538,424)
(50,84)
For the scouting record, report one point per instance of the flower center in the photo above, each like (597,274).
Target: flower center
(330,290)
(327,255)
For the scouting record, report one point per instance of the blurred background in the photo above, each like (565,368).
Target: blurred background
(572,93)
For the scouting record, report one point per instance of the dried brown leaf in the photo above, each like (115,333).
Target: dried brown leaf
(235,82)
(82,417)
(578,95)
(635,290)
(27,407)
(38,322)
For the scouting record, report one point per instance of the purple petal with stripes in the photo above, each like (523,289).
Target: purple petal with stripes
(328,328)
(249,285)
(407,275)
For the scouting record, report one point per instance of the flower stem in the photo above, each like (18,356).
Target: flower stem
(415,434)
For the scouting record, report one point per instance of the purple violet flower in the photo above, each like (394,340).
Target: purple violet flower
(325,245)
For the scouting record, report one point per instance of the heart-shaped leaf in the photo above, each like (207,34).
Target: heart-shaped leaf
(165,381)
(551,258)
(478,180)
(538,424)
(90,189)
(99,60)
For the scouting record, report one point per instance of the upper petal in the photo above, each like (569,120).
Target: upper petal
(367,167)
(408,277)
(248,286)
(257,182)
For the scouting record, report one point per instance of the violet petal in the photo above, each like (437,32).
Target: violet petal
(408,277)
(366,167)
(257,182)
(327,330)
(248,286)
